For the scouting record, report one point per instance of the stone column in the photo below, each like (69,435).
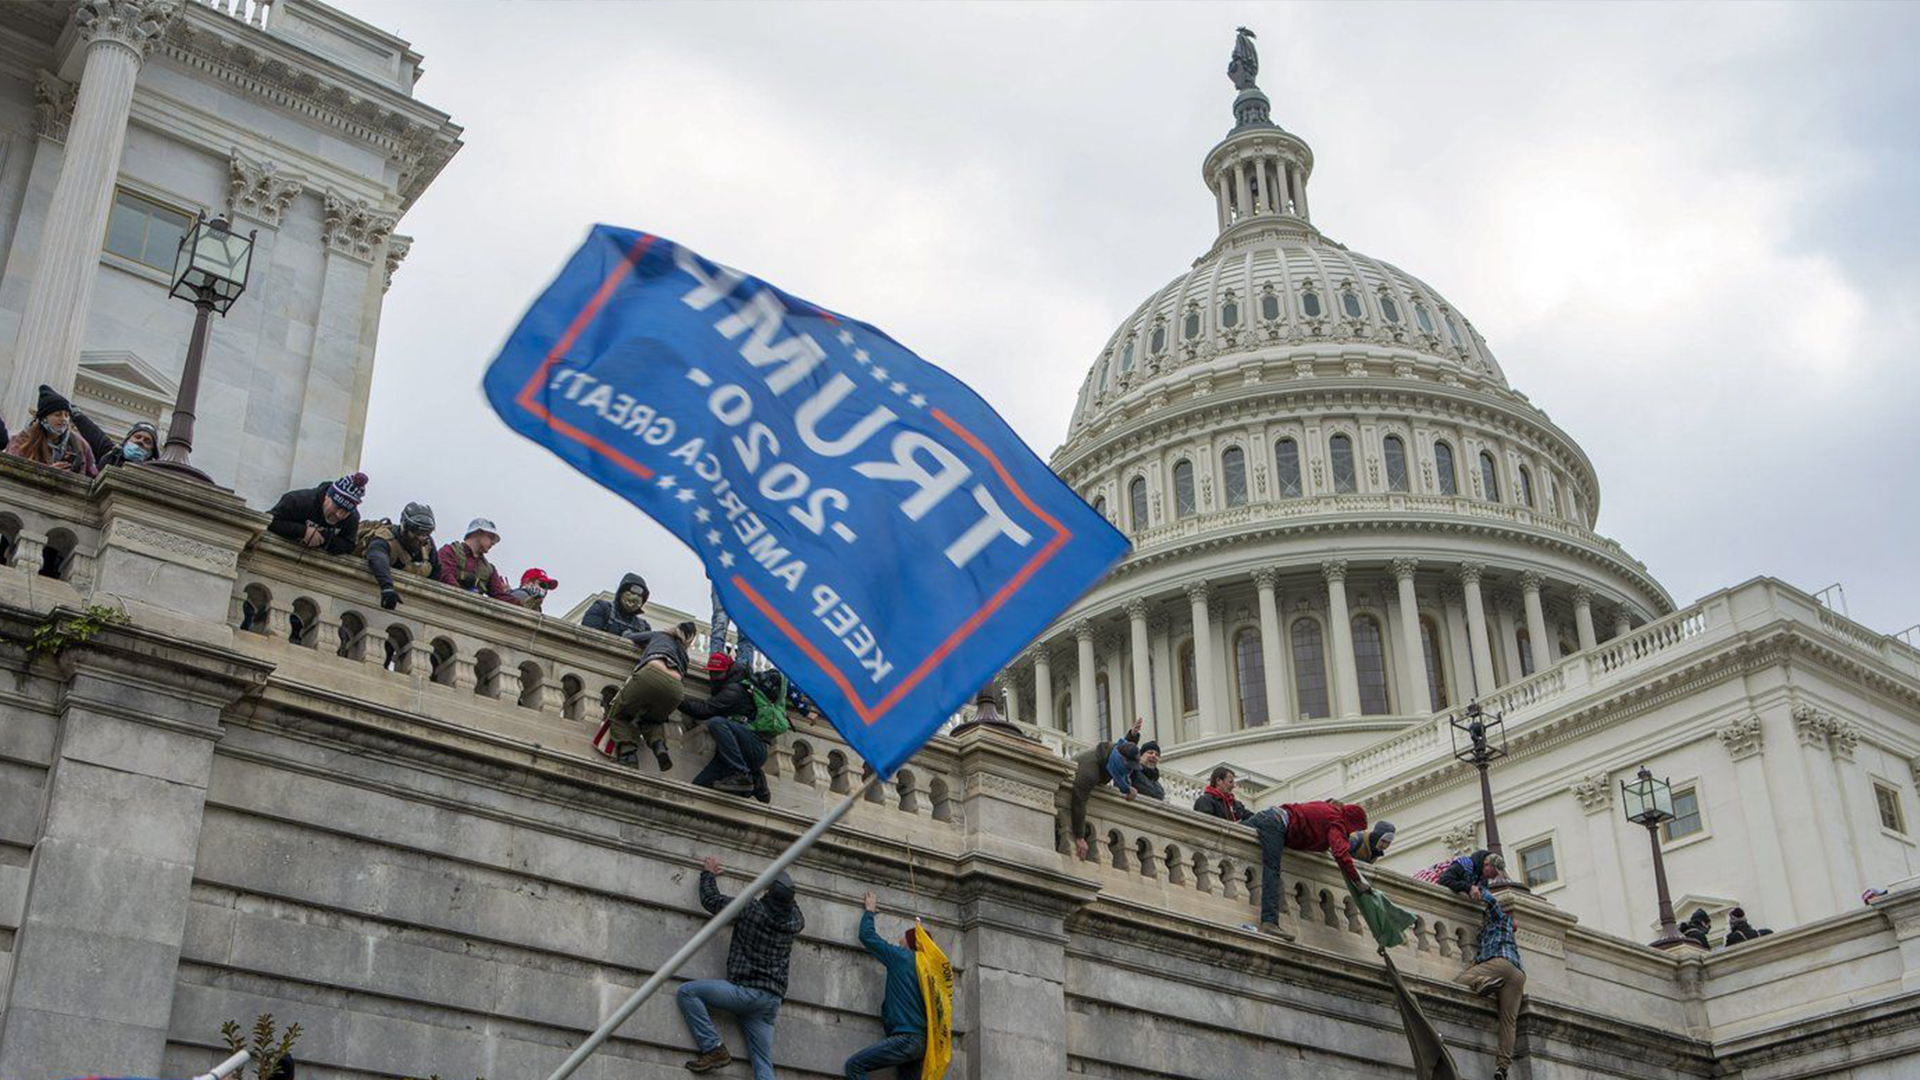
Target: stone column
(1346,679)
(1142,664)
(1211,722)
(1165,702)
(1745,742)
(1279,703)
(1816,778)
(1240,188)
(1086,716)
(1622,623)
(1477,643)
(1506,632)
(1603,861)
(1010,689)
(1583,617)
(1259,187)
(1536,621)
(1300,192)
(1225,204)
(1419,692)
(114,36)
(1042,688)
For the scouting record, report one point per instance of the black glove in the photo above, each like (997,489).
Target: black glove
(389,599)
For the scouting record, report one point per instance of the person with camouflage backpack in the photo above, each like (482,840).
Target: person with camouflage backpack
(407,548)
(739,754)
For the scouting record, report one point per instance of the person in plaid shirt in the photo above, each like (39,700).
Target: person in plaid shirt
(1496,973)
(756,979)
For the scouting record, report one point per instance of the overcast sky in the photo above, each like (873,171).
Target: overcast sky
(1687,231)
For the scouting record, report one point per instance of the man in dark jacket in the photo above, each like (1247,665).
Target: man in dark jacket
(1739,929)
(325,517)
(903,1012)
(756,979)
(1135,769)
(1482,867)
(1089,772)
(620,616)
(1218,799)
(407,548)
(640,711)
(1696,928)
(739,756)
(1309,826)
(139,447)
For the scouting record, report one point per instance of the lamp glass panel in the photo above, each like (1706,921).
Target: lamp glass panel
(1662,797)
(1638,796)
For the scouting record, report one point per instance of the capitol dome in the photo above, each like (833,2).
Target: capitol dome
(1344,518)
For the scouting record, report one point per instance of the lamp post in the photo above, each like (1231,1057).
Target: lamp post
(1649,802)
(210,272)
(1473,726)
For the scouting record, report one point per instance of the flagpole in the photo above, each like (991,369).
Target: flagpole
(713,927)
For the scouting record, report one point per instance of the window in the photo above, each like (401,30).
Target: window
(1340,449)
(1106,375)
(1537,865)
(1309,669)
(1252,670)
(1389,309)
(1230,312)
(1100,506)
(1436,671)
(1064,711)
(1137,503)
(1553,495)
(1286,459)
(1396,453)
(1189,690)
(1233,475)
(145,231)
(1126,357)
(1190,327)
(1686,816)
(1310,304)
(1526,487)
(1183,501)
(1489,477)
(1350,303)
(1420,316)
(1370,663)
(1157,344)
(1888,800)
(1524,640)
(1269,306)
(1443,469)
(1453,332)
(1103,710)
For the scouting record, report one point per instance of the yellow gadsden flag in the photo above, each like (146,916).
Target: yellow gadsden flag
(936,989)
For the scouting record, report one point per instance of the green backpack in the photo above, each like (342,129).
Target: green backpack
(769,714)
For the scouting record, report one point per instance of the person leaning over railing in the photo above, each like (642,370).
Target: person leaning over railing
(1308,826)
(325,517)
(1090,771)
(1136,769)
(51,439)
(640,711)
(1218,801)
(463,563)
(407,549)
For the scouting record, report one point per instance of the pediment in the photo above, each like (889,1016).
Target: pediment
(127,373)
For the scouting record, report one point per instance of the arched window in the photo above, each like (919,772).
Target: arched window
(1103,706)
(1189,688)
(1350,303)
(1453,332)
(1389,309)
(1370,663)
(1443,469)
(1309,669)
(1310,303)
(1525,640)
(1106,374)
(1286,459)
(1137,503)
(1489,477)
(1436,671)
(1420,316)
(1100,506)
(1251,668)
(1126,357)
(1396,455)
(1526,488)
(1269,306)
(1183,501)
(1340,451)
(1233,475)
(1229,312)
(1157,343)
(1190,326)
(1553,496)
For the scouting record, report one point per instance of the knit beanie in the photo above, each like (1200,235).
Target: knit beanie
(140,426)
(50,403)
(349,490)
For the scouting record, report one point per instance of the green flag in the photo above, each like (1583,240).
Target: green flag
(1387,920)
(1389,923)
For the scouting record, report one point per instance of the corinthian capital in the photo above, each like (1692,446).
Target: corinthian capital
(1741,736)
(258,189)
(1530,581)
(1266,577)
(136,24)
(1582,595)
(1137,609)
(1470,572)
(354,227)
(1334,570)
(1403,568)
(1197,591)
(1083,630)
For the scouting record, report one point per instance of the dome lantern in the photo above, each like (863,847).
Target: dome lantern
(1259,170)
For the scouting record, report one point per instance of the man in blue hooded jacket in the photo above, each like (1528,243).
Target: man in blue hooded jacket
(903,1012)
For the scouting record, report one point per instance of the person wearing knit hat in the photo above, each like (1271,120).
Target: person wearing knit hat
(464,565)
(141,445)
(326,517)
(51,440)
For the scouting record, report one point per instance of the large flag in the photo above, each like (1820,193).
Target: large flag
(1389,923)
(870,522)
(936,990)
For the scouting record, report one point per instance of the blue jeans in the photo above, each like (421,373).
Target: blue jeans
(717,635)
(902,1050)
(755,1009)
(736,750)
(1271,826)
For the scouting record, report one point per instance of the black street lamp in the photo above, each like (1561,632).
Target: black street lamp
(209,272)
(1474,726)
(1649,802)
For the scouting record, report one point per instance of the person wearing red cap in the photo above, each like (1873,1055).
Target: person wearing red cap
(533,590)
(739,754)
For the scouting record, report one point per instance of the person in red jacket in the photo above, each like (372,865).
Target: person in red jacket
(1309,826)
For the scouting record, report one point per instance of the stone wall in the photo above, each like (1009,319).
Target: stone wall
(426,866)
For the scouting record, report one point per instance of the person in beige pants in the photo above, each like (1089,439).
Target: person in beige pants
(1496,973)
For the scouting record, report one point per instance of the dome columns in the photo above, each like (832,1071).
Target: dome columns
(1086,713)
(1259,172)
(1139,645)
(1211,721)
(1266,583)
(1583,617)
(1346,678)
(1413,668)
(1478,643)
(1542,657)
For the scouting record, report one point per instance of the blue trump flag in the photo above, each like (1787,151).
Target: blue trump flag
(875,528)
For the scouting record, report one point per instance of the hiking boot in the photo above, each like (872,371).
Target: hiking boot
(660,755)
(1274,929)
(716,1058)
(737,784)
(1500,1073)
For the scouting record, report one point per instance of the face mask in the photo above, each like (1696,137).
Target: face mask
(58,431)
(630,601)
(133,451)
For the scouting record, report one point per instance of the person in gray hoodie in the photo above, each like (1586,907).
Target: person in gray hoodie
(620,616)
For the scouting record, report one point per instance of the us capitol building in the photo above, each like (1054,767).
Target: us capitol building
(1348,524)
